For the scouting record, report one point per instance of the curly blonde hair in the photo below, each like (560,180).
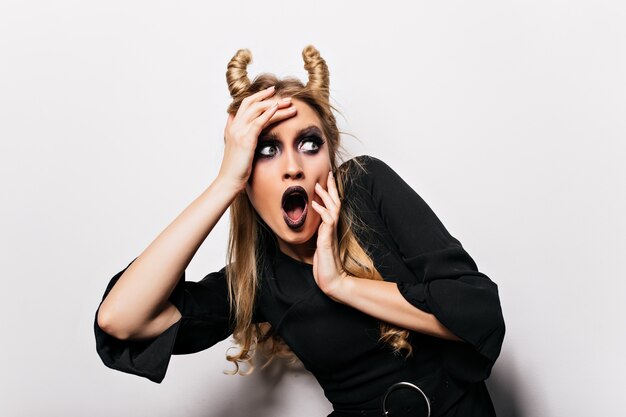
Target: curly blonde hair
(246,227)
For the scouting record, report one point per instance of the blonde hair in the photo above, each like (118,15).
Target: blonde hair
(245,253)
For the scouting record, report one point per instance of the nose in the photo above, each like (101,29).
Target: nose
(292,166)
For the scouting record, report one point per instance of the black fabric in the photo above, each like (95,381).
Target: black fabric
(443,279)
(205,321)
(339,344)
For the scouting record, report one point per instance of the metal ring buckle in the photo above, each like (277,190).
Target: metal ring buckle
(404,385)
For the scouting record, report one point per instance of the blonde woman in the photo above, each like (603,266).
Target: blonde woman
(340,263)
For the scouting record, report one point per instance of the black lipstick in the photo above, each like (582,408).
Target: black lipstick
(294,199)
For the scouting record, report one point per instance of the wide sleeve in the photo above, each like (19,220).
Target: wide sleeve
(446,282)
(205,321)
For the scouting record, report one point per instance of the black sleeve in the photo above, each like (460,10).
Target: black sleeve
(205,321)
(447,282)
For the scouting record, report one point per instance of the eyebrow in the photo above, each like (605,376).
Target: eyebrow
(300,133)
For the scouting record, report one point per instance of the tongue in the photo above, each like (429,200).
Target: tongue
(295,212)
(294,207)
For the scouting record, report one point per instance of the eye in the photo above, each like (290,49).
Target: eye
(311,144)
(267,150)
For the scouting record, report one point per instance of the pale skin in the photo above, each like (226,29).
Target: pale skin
(137,307)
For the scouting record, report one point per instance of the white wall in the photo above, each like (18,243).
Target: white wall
(507,117)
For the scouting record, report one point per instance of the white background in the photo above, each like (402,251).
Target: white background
(508,118)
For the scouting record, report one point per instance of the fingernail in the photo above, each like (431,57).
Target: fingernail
(270,88)
(286,99)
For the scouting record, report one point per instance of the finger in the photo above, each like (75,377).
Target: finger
(328,202)
(254,110)
(283,114)
(332,189)
(263,119)
(253,98)
(279,115)
(324,213)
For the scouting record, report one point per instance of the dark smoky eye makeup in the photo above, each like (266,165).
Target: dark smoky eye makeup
(313,139)
(309,140)
(266,148)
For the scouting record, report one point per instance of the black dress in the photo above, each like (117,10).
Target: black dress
(337,343)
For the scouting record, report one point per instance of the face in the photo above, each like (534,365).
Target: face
(291,154)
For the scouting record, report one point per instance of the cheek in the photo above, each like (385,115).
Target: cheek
(262,195)
(257,184)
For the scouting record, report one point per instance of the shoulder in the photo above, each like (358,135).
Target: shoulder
(215,277)
(365,169)
(362,161)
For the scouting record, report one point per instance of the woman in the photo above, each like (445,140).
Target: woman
(344,265)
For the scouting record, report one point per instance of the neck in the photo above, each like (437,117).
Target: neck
(303,251)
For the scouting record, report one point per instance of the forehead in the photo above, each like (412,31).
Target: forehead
(289,127)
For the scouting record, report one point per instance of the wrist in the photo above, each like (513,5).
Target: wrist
(342,290)
(228,186)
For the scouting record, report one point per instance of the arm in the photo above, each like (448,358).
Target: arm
(137,307)
(382,299)
(148,311)
(205,320)
(443,279)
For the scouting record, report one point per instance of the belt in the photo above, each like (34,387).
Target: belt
(406,399)
(429,396)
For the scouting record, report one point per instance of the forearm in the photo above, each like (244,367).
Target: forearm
(382,299)
(140,294)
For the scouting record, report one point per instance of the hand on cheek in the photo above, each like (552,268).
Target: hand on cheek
(327,267)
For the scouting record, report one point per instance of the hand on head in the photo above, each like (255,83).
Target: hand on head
(242,130)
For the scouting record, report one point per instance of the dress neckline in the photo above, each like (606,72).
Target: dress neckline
(293,260)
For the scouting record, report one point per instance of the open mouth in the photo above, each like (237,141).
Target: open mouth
(295,206)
